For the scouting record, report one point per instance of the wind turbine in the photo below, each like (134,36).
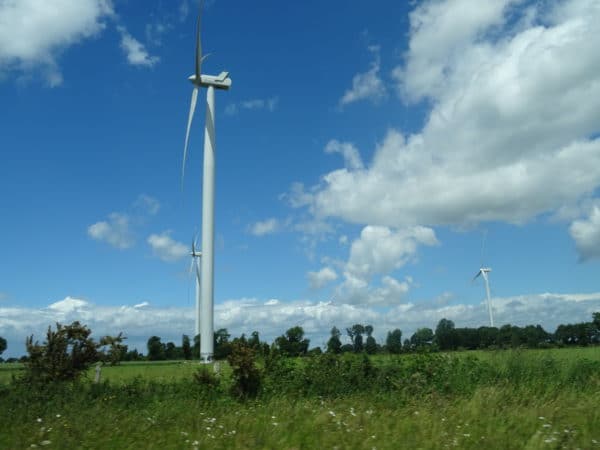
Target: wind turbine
(484,271)
(211,82)
(195,266)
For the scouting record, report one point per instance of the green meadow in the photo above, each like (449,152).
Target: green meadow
(524,399)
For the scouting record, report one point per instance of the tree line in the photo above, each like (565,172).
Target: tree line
(445,337)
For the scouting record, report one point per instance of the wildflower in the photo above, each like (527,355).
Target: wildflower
(275,424)
(331,413)
(466,435)
(273,417)
(195,443)
(546,425)
(46,442)
(39,419)
(58,416)
(542,418)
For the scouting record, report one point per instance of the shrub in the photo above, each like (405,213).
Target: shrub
(246,376)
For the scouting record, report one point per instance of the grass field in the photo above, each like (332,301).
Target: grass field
(545,399)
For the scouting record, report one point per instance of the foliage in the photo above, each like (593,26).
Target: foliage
(2,344)
(246,377)
(206,378)
(186,347)
(422,337)
(393,343)
(292,343)
(116,350)
(355,334)
(156,349)
(334,345)
(65,355)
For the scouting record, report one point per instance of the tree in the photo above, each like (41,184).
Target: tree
(222,344)
(156,349)
(393,342)
(292,343)
(355,333)
(2,344)
(422,337)
(445,335)
(65,355)
(371,345)
(334,345)
(116,349)
(186,347)
(170,351)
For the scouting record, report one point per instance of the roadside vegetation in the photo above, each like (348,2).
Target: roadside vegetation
(291,397)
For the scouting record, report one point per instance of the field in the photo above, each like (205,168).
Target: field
(545,399)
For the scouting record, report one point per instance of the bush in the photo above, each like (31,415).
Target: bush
(66,354)
(246,376)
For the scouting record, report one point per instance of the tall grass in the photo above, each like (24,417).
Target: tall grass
(511,401)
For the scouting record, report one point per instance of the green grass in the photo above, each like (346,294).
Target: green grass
(470,400)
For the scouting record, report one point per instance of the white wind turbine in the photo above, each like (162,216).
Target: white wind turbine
(484,271)
(221,81)
(195,265)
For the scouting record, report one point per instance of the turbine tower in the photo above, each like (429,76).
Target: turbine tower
(484,273)
(211,82)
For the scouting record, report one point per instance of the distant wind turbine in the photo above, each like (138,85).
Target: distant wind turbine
(221,81)
(195,267)
(484,273)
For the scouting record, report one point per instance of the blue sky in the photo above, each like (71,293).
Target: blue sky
(362,155)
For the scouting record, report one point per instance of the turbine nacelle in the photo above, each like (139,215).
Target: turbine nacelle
(221,81)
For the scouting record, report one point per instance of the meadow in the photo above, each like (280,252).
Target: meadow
(530,399)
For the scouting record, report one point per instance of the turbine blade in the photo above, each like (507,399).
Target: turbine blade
(199,43)
(191,265)
(198,277)
(187,133)
(476,275)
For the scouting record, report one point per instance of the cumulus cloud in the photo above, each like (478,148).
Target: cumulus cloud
(367,85)
(136,52)
(115,231)
(381,249)
(321,278)
(512,128)
(271,318)
(350,153)
(268,104)
(167,248)
(268,226)
(34,33)
(586,233)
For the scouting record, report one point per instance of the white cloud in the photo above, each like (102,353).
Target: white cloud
(380,250)
(321,278)
(33,33)
(115,231)
(268,226)
(350,153)
(136,53)
(273,317)
(367,85)
(147,204)
(586,233)
(269,104)
(166,248)
(508,133)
